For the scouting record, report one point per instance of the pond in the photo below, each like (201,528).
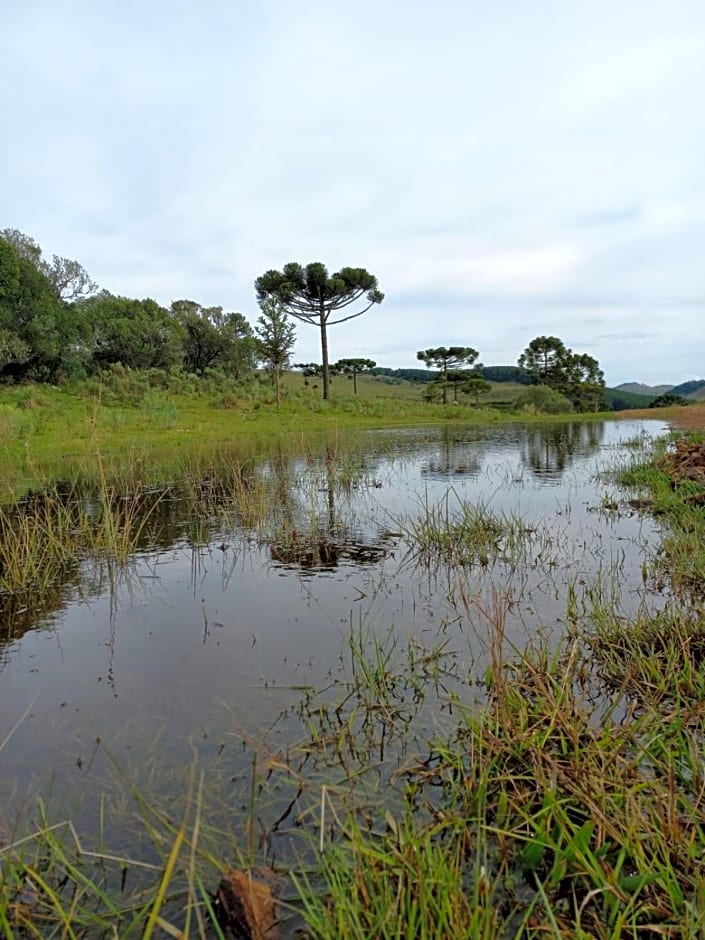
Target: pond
(255,582)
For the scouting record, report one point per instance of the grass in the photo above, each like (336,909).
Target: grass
(457,532)
(681,556)
(572,804)
(687,418)
(657,658)
(531,819)
(375,386)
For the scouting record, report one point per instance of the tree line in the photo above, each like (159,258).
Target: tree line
(56,323)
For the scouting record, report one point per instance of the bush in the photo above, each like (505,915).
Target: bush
(540,399)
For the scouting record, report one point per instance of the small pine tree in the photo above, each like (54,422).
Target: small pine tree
(276,335)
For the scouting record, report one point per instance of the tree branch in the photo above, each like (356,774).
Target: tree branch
(352,315)
(349,299)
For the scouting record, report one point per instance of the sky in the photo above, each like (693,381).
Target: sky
(505,168)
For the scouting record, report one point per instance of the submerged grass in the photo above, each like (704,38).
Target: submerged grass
(656,658)
(539,814)
(572,804)
(458,532)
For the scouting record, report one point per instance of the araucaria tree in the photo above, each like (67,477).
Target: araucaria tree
(352,368)
(309,370)
(276,336)
(445,358)
(313,296)
(475,385)
(548,361)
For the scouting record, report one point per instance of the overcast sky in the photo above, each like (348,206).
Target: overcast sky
(506,168)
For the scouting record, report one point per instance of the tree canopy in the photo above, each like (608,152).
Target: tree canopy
(69,279)
(353,367)
(475,385)
(577,376)
(212,338)
(276,336)
(446,358)
(314,296)
(40,337)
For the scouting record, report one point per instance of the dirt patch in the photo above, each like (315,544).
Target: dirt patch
(687,463)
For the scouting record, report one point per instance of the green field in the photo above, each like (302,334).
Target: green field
(378,386)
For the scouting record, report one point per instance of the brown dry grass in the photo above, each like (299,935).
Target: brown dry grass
(688,418)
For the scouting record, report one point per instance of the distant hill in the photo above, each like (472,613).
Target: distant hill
(693,389)
(637,388)
(619,399)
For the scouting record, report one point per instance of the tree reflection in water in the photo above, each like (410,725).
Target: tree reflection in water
(311,535)
(548,450)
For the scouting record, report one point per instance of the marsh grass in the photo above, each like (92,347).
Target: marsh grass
(656,658)
(538,814)
(454,531)
(551,823)
(44,538)
(39,542)
(678,505)
(112,510)
(53,885)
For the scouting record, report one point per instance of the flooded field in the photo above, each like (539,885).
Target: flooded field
(244,589)
(276,624)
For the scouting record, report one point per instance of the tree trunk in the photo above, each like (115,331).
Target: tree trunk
(324,354)
(355,380)
(276,385)
(445,383)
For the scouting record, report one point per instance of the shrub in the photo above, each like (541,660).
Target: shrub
(540,399)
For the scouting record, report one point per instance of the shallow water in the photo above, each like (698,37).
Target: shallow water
(206,639)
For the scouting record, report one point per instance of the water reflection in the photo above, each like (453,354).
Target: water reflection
(311,533)
(304,511)
(455,458)
(548,450)
(328,550)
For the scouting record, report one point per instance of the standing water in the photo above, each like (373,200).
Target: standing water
(250,577)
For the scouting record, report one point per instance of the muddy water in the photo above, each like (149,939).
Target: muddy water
(204,641)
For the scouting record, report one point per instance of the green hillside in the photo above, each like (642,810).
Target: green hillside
(389,386)
(617,399)
(389,383)
(638,388)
